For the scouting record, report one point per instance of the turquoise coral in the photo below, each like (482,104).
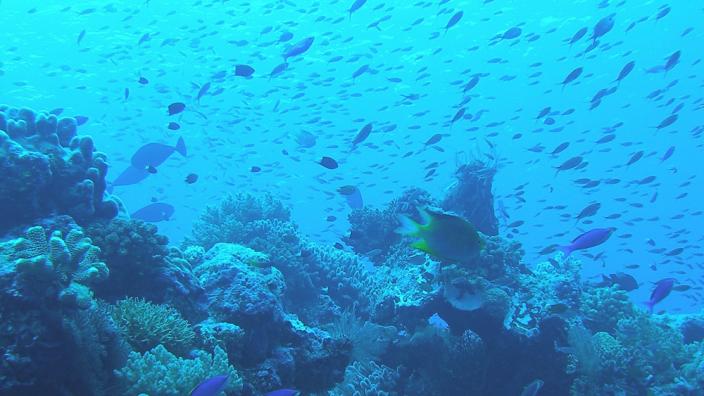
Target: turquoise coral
(66,267)
(160,373)
(145,325)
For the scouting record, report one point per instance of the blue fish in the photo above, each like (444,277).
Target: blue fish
(244,70)
(305,139)
(154,154)
(131,175)
(285,36)
(354,199)
(154,212)
(211,386)
(298,48)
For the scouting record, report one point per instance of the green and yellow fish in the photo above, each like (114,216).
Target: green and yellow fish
(442,235)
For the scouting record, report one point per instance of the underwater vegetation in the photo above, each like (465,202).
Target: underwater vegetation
(95,303)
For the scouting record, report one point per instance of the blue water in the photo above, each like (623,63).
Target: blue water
(240,123)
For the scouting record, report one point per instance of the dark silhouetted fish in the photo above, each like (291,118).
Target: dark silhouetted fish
(175,108)
(131,175)
(298,48)
(662,289)
(362,134)
(155,212)
(625,71)
(453,20)
(244,70)
(328,162)
(154,154)
(356,6)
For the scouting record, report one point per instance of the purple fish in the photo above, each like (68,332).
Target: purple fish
(211,386)
(662,289)
(154,154)
(154,212)
(587,240)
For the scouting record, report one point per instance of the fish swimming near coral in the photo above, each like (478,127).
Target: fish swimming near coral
(131,175)
(154,154)
(211,386)
(588,240)
(442,235)
(154,213)
(662,289)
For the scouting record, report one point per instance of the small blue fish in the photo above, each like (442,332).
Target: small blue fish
(285,36)
(244,70)
(80,37)
(211,386)
(154,213)
(202,91)
(328,162)
(453,20)
(175,108)
(298,48)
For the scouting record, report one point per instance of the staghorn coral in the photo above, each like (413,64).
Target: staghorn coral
(54,267)
(160,373)
(146,325)
(51,170)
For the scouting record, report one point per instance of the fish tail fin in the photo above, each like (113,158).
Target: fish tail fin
(181,146)
(566,250)
(408,227)
(649,304)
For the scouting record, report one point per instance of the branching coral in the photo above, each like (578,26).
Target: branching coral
(146,325)
(55,267)
(160,373)
(237,218)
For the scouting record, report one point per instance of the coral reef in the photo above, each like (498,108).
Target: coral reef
(49,170)
(146,325)
(141,265)
(160,373)
(372,231)
(471,197)
(52,268)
